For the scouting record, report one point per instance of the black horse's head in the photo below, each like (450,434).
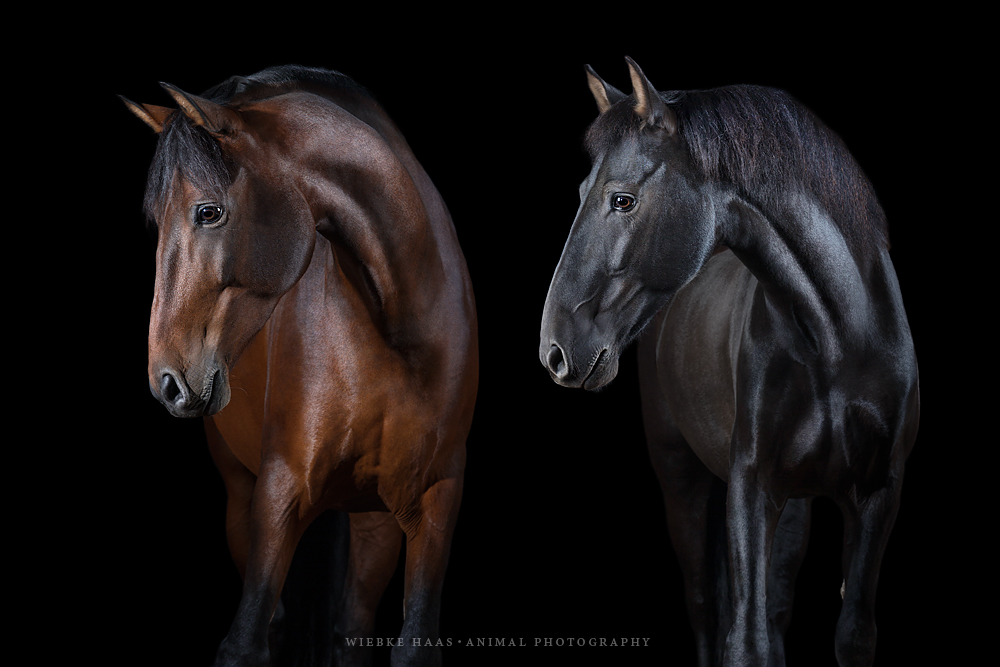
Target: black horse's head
(644,228)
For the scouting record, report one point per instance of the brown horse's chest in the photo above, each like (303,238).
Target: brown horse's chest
(241,422)
(320,392)
(341,432)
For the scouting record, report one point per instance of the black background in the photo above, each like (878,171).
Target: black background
(562,531)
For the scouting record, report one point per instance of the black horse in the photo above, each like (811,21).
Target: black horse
(734,235)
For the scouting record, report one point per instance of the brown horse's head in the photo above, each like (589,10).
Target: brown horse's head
(233,237)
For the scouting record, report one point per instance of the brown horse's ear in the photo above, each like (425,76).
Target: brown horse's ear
(215,118)
(150,114)
(604,94)
(648,103)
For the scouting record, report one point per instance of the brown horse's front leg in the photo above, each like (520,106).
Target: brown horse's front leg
(428,543)
(275,528)
(373,554)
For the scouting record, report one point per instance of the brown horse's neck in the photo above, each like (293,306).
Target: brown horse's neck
(386,222)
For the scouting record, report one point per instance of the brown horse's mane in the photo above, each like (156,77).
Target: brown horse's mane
(186,149)
(277,80)
(764,143)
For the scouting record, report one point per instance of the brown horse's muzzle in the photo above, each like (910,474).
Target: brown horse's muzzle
(201,392)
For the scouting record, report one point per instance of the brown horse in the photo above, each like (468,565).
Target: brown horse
(313,304)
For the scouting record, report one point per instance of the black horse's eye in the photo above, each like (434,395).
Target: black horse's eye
(622,202)
(208,214)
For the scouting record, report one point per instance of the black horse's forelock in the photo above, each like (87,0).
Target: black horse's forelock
(190,152)
(764,143)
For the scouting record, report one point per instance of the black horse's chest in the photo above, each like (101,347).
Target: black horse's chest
(738,373)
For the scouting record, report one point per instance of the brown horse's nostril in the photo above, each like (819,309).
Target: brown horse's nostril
(557,361)
(170,390)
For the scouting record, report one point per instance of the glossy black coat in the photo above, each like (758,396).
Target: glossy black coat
(735,233)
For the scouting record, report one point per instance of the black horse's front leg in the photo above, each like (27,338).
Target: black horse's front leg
(867,525)
(695,503)
(751,518)
(788,549)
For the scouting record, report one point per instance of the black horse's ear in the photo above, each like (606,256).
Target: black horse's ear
(604,94)
(648,103)
(215,118)
(152,115)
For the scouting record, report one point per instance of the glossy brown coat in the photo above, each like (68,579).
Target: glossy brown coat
(322,320)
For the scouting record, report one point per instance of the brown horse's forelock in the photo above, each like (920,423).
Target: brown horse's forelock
(764,143)
(190,152)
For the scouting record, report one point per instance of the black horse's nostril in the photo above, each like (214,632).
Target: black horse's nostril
(556,361)
(170,390)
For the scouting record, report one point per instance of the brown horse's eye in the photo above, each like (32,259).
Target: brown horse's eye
(208,213)
(622,202)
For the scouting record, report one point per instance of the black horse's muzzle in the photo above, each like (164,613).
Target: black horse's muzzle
(594,371)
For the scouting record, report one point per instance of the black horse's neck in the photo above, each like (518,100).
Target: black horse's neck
(812,277)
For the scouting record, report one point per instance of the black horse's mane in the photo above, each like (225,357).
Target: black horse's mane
(190,150)
(763,142)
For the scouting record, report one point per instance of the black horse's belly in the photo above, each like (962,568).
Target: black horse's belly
(697,349)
